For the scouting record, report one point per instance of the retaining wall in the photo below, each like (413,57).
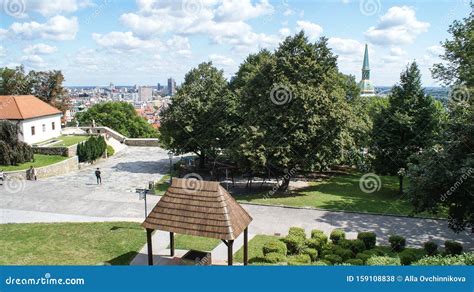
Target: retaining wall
(63,167)
(62,151)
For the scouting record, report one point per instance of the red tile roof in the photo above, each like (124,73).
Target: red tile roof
(22,107)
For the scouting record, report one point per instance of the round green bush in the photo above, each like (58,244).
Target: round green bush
(449,260)
(383,261)
(333,259)
(294,244)
(363,257)
(397,242)
(274,257)
(297,231)
(430,247)
(313,253)
(318,234)
(274,246)
(299,259)
(355,262)
(452,247)
(344,253)
(410,255)
(110,151)
(337,235)
(369,239)
(319,263)
(356,245)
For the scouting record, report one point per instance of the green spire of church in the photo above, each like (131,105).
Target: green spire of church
(366,87)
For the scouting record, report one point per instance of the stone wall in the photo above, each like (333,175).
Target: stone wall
(63,167)
(62,151)
(142,142)
(104,130)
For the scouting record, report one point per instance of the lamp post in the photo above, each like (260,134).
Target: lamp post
(142,196)
(170,155)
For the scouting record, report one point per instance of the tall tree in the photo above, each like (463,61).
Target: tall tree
(12,150)
(120,116)
(14,81)
(200,117)
(408,125)
(442,178)
(293,108)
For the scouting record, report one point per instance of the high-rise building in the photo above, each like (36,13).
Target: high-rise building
(366,87)
(171,86)
(159,87)
(145,93)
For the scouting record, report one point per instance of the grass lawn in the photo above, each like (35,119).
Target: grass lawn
(162,185)
(341,193)
(64,141)
(255,249)
(116,243)
(39,161)
(188,242)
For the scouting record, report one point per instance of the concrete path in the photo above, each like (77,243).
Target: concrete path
(76,197)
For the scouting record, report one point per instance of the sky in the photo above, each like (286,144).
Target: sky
(144,42)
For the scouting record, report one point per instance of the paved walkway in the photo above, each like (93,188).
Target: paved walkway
(75,197)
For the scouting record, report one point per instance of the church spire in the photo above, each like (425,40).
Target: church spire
(365,85)
(366,59)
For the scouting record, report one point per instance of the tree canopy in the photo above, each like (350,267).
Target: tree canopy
(12,150)
(120,116)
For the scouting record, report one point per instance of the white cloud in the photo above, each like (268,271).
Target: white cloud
(284,32)
(346,46)
(56,28)
(221,60)
(123,41)
(435,50)
(179,46)
(33,61)
(39,49)
(54,7)
(239,10)
(397,51)
(312,30)
(3,52)
(398,26)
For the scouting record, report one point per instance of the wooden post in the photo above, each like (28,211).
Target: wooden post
(246,247)
(230,253)
(149,245)
(172,243)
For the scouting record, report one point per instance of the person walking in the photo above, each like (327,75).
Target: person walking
(2,177)
(33,173)
(98,176)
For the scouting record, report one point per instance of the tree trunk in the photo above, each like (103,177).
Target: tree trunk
(284,184)
(400,184)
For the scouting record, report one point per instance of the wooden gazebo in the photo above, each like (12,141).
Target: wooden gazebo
(200,208)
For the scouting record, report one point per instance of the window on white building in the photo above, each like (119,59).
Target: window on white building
(33,131)
(44,128)
(53,126)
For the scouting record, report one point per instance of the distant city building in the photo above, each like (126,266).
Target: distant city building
(111,86)
(171,87)
(159,87)
(366,87)
(145,93)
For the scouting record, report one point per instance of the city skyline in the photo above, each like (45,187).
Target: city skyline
(144,42)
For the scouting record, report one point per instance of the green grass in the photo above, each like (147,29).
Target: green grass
(162,185)
(255,249)
(65,141)
(188,242)
(115,243)
(40,160)
(341,193)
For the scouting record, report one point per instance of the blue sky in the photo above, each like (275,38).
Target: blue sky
(95,42)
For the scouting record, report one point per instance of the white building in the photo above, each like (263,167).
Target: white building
(37,120)
(145,93)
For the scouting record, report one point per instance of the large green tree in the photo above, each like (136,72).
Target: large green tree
(12,150)
(201,116)
(409,124)
(120,116)
(292,108)
(442,177)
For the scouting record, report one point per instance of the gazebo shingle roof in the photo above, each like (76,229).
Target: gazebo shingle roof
(200,208)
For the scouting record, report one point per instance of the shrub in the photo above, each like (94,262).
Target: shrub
(355,262)
(294,244)
(452,247)
(318,234)
(410,255)
(337,235)
(313,253)
(383,261)
(274,257)
(333,259)
(319,263)
(314,243)
(344,253)
(439,260)
(397,242)
(369,239)
(430,247)
(12,150)
(356,246)
(297,231)
(274,247)
(363,257)
(92,149)
(299,259)
(110,151)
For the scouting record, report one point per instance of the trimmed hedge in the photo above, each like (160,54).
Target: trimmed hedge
(383,261)
(369,239)
(274,257)
(410,255)
(314,243)
(299,259)
(313,253)
(355,262)
(319,234)
(356,245)
(333,259)
(297,231)
(274,247)
(337,235)
(452,247)
(397,242)
(439,260)
(431,248)
(363,257)
(295,244)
